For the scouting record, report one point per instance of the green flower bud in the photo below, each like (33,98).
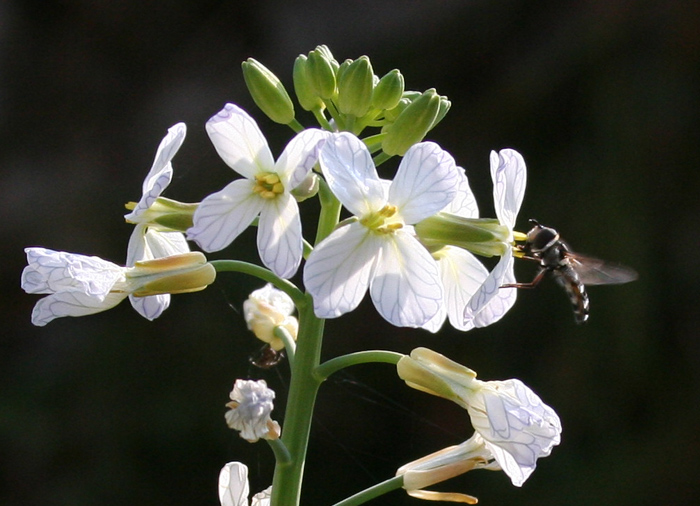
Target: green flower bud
(412,124)
(355,85)
(321,74)
(268,92)
(326,52)
(308,99)
(166,215)
(388,91)
(482,236)
(444,108)
(394,113)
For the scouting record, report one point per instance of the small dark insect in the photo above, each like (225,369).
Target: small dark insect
(266,358)
(571,270)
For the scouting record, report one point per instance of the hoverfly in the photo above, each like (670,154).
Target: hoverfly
(571,270)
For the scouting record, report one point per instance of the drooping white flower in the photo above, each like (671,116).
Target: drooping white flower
(490,302)
(379,250)
(263,192)
(79,285)
(234,488)
(250,408)
(266,309)
(516,426)
(148,242)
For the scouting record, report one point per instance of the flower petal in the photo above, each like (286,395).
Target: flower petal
(491,302)
(464,204)
(406,287)
(50,271)
(279,235)
(349,170)
(338,270)
(425,182)
(517,427)
(239,141)
(462,275)
(222,216)
(299,157)
(262,498)
(161,172)
(233,485)
(72,303)
(509,176)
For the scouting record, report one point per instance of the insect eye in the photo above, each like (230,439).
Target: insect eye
(540,238)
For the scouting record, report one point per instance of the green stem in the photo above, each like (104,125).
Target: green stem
(330,212)
(303,387)
(280,450)
(381,158)
(372,492)
(290,345)
(262,273)
(322,121)
(333,365)
(295,125)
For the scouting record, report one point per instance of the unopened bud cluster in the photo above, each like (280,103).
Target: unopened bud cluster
(352,95)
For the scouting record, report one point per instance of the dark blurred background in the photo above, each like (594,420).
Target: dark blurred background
(601,98)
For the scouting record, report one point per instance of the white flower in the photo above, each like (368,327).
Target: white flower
(490,302)
(264,191)
(234,488)
(80,285)
(148,242)
(250,408)
(516,426)
(379,250)
(266,309)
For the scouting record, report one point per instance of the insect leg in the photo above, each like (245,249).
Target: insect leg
(531,284)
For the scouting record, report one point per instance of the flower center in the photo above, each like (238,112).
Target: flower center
(380,221)
(268,185)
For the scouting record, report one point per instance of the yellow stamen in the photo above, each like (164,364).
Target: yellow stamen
(268,185)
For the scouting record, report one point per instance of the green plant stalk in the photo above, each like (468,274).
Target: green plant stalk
(303,388)
(372,492)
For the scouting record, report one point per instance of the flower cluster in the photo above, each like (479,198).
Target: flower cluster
(410,238)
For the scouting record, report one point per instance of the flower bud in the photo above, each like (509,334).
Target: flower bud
(442,112)
(266,309)
(165,215)
(412,124)
(268,92)
(188,272)
(355,85)
(483,236)
(321,74)
(308,99)
(307,188)
(388,91)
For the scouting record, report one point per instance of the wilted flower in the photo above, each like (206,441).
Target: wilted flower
(443,465)
(234,488)
(250,408)
(517,427)
(266,309)
(80,285)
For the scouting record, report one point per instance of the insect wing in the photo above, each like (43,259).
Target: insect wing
(593,271)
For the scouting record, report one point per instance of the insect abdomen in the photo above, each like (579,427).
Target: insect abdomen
(576,291)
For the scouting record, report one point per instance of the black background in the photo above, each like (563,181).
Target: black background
(601,98)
